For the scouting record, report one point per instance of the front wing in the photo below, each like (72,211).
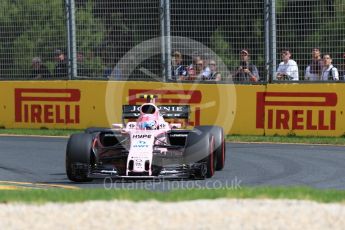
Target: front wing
(186,171)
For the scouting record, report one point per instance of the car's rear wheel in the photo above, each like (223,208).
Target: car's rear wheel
(211,160)
(200,149)
(78,156)
(219,143)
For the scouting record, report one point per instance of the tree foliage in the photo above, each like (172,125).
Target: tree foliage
(108,29)
(33,28)
(307,24)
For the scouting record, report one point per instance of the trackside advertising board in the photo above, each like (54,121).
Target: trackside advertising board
(301,109)
(315,109)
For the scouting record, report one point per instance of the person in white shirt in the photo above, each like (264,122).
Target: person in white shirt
(329,72)
(287,69)
(314,69)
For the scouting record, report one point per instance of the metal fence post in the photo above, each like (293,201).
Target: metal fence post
(267,39)
(270,39)
(273,38)
(162,21)
(71,39)
(165,39)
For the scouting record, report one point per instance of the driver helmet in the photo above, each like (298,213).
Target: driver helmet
(147,121)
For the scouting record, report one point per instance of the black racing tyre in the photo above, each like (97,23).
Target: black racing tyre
(78,152)
(211,159)
(219,149)
(200,148)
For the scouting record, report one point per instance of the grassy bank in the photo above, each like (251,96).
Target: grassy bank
(229,138)
(58,195)
(40,132)
(288,139)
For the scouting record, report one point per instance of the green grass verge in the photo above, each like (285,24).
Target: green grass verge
(288,139)
(229,138)
(43,132)
(59,195)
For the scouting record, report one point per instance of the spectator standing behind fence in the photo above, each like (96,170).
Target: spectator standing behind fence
(201,72)
(191,69)
(206,71)
(197,70)
(214,74)
(178,71)
(246,72)
(314,69)
(329,72)
(287,69)
(39,70)
(61,69)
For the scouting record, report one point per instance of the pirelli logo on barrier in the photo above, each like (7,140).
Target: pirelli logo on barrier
(59,106)
(175,97)
(296,111)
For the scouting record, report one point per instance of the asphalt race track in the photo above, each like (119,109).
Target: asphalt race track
(39,162)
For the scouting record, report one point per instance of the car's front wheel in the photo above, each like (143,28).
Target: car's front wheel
(78,156)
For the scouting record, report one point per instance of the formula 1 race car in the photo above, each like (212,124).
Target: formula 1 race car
(148,147)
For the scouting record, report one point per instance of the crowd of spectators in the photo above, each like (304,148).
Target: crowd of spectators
(40,71)
(202,68)
(320,68)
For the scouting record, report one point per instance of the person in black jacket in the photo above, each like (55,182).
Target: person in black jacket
(61,68)
(178,71)
(39,70)
(246,72)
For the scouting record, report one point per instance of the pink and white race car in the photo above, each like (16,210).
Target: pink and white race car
(149,147)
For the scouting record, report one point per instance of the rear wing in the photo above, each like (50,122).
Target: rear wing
(167,111)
